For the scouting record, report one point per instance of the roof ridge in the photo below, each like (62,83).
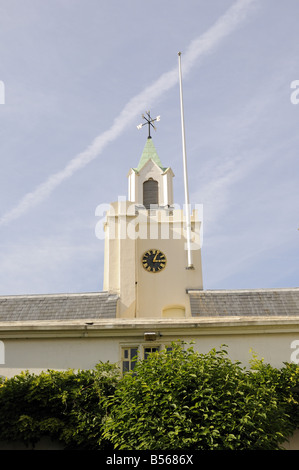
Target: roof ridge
(59,294)
(258,289)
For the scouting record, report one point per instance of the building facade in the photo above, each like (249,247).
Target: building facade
(150,296)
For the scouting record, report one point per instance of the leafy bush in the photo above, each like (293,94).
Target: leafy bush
(63,405)
(187,400)
(285,382)
(174,400)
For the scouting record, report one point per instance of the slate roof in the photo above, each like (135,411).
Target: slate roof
(102,305)
(57,307)
(252,302)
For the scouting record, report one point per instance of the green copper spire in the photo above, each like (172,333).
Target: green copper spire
(149,153)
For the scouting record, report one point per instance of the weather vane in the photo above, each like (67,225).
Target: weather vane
(149,122)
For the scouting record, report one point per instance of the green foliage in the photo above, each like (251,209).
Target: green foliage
(174,400)
(63,405)
(285,382)
(187,400)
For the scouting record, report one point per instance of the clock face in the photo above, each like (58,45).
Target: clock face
(154,261)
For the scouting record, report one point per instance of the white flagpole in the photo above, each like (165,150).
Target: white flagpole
(188,221)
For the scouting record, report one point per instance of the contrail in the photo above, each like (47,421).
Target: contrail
(197,49)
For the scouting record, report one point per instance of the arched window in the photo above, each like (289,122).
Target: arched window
(150,193)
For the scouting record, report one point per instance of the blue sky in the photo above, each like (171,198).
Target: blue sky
(78,75)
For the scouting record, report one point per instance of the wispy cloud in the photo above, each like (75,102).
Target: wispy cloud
(236,154)
(198,49)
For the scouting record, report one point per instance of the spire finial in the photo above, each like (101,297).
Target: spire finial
(149,122)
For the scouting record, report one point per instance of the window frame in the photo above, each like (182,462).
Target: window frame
(128,359)
(140,348)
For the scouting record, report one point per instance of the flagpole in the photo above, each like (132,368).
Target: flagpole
(188,221)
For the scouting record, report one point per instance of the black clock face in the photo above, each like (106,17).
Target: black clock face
(154,261)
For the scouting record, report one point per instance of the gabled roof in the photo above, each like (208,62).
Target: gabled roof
(149,153)
(57,307)
(245,303)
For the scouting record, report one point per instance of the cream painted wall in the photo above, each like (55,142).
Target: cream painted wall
(120,256)
(61,352)
(37,354)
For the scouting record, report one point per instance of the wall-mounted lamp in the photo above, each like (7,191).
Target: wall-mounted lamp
(150,336)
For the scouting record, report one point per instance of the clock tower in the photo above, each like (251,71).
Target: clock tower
(146,246)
